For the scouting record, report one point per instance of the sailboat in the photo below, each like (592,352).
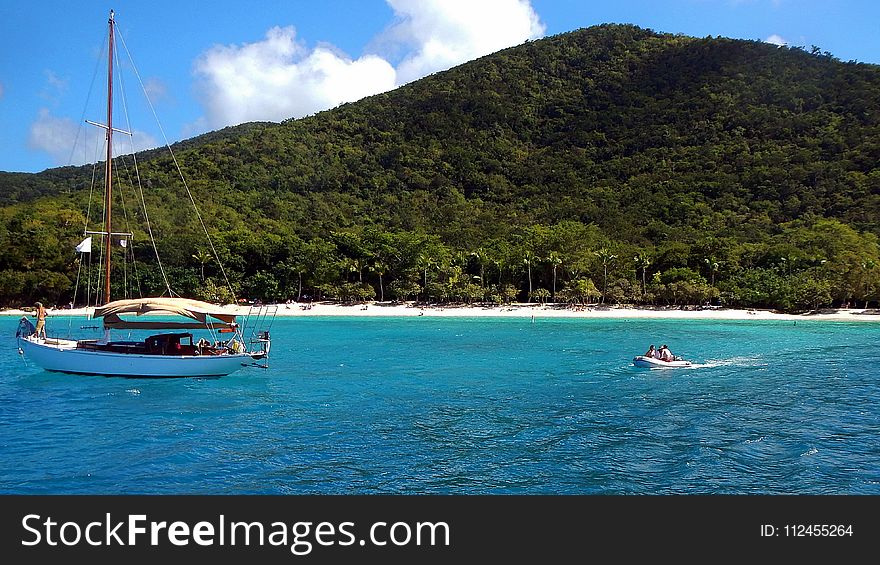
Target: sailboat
(172,351)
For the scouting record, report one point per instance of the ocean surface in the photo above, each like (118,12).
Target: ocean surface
(465,406)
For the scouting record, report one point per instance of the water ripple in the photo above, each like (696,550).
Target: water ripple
(467,406)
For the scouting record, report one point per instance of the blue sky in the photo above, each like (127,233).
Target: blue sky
(207,65)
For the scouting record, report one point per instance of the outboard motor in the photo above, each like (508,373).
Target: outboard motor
(264,341)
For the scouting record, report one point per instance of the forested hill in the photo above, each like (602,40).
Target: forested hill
(713,162)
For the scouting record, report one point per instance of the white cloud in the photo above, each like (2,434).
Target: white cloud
(55,87)
(156,90)
(137,141)
(279,77)
(776,40)
(53,135)
(195,127)
(445,33)
(69,144)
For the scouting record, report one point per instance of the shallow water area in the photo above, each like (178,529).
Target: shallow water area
(466,406)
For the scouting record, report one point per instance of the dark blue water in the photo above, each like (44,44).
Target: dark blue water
(453,405)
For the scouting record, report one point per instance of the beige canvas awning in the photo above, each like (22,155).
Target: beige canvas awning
(196,310)
(113,321)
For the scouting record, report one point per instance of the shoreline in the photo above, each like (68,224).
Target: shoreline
(522,310)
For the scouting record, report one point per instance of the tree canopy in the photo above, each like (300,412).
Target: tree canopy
(710,169)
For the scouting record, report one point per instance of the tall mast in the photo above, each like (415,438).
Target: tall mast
(108,173)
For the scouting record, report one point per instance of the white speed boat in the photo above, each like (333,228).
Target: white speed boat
(652,363)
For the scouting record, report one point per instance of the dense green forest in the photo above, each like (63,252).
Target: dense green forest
(611,163)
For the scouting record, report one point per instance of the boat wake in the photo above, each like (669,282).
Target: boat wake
(710,363)
(733,362)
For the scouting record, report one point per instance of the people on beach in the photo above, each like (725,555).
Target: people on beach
(41,320)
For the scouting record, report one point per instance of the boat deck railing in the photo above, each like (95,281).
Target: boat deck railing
(256,325)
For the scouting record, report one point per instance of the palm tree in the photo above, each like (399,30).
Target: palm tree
(380,268)
(480,256)
(356,265)
(606,257)
(555,261)
(298,265)
(425,262)
(642,262)
(528,258)
(203,257)
(499,263)
(713,268)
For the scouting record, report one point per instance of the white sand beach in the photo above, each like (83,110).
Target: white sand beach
(523,310)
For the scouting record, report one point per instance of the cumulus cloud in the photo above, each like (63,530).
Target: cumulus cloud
(137,141)
(69,144)
(445,33)
(280,77)
(53,135)
(156,90)
(776,40)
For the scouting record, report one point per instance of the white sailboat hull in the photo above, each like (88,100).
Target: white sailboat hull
(159,355)
(61,355)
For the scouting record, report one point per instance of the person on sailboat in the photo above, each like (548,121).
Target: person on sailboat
(41,320)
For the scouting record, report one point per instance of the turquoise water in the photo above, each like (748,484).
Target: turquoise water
(466,406)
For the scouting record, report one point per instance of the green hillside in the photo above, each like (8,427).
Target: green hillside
(610,163)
